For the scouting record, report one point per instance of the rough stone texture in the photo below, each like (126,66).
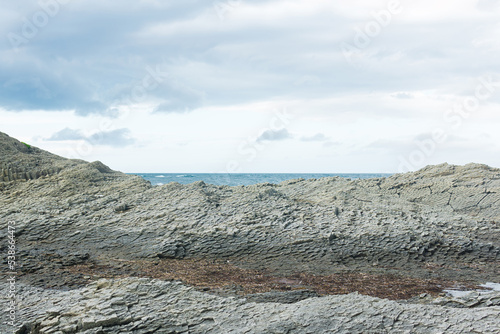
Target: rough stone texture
(472,299)
(19,161)
(281,297)
(70,211)
(151,306)
(287,226)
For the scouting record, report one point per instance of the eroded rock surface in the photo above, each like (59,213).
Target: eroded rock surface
(442,221)
(151,306)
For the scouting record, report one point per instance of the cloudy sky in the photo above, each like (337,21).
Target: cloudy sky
(254,86)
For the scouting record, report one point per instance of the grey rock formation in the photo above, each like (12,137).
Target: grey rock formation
(442,221)
(20,161)
(150,306)
(294,225)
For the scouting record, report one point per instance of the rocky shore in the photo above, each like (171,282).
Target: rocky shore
(99,251)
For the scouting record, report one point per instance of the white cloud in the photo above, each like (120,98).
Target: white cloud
(317,137)
(114,138)
(274,135)
(223,79)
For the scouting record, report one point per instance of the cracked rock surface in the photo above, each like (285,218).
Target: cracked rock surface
(442,221)
(151,306)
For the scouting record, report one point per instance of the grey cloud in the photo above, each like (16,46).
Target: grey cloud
(28,87)
(81,61)
(92,53)
(423,136)
(317,137)
(179,98)
(96,107)
(67,134)
(114,138)
(274,135)
(331,144)
(117,138)
(171,107)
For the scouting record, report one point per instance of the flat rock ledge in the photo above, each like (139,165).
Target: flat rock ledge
(134,305)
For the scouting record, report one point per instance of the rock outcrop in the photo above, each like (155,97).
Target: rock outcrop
(442,221)
(20,161)
(150,306)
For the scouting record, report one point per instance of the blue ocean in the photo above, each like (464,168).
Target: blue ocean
(240,179)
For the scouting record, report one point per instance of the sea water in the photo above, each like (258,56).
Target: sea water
(241,179)
(458,293)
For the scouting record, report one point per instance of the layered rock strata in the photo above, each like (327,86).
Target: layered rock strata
(442,221)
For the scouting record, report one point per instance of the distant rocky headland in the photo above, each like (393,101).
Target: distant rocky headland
(100,251)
